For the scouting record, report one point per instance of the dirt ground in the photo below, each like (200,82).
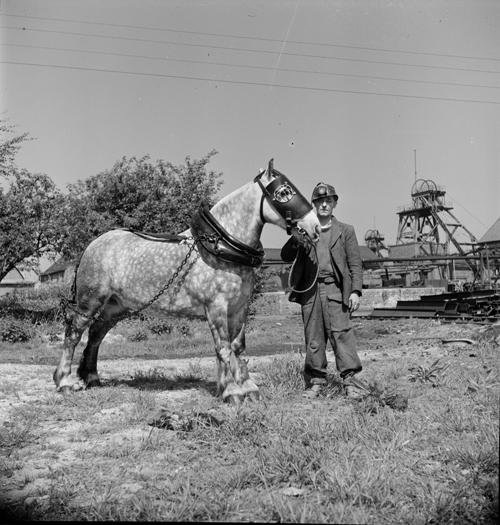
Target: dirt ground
(378,340)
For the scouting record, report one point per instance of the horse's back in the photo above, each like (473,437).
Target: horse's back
(133,269)
(119,259)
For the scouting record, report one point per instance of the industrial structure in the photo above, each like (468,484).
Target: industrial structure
(430,233)
(375,241)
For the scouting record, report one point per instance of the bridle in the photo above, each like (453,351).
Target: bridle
(284,197)
(289,203)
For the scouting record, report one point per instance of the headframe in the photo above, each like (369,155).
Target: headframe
(284,197)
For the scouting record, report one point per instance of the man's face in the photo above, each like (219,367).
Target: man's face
(325,206)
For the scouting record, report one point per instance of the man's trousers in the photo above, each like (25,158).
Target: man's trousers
(326,318)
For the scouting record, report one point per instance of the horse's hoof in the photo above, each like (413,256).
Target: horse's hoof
(254,396)
(95,383)
(66,389)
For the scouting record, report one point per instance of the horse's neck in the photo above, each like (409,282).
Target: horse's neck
(239,214)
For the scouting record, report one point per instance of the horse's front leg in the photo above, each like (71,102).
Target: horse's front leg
(236,325)
(228,369)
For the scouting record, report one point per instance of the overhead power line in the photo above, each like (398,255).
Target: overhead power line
(287,70)
(455,200)
(251,38)
(225,81)
(303,55)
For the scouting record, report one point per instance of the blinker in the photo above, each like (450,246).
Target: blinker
(285,198)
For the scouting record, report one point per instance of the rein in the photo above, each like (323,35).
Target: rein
(291,272)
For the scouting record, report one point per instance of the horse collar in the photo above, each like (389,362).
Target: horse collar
(216,240)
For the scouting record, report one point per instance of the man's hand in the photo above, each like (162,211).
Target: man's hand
(300,236)
(353,302)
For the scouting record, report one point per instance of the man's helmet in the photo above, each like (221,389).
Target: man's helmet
(324,190)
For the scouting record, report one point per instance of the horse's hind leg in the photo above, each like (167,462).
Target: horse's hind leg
(75,326)
(87,370)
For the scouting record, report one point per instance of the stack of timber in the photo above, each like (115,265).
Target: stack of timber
(479,305)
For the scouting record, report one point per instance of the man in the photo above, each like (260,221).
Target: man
(327,281)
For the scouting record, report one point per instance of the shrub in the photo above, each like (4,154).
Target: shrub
(160,327)
(184,329)
(140,335)
(15,332)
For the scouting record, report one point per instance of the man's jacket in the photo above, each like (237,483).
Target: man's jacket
(344,252)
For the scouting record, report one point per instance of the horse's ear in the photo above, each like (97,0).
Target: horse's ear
(270,167)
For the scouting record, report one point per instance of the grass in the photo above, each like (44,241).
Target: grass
(430,463)
(93,456)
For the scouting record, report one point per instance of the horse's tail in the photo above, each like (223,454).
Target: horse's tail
(73,284)
(67,304)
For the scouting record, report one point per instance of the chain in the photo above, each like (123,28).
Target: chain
(65,303)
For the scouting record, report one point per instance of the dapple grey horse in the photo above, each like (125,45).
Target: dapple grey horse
(121,272)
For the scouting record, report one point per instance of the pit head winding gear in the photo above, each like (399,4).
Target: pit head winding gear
(284,197)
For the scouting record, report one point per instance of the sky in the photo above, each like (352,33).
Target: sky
(370,96)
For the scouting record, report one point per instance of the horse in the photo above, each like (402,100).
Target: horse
(208,271)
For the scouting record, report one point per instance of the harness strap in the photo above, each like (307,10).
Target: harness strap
(158,237)
(264,192)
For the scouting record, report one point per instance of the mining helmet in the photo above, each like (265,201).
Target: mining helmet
(324,190)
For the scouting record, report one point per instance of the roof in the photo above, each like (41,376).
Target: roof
(273,255)
(367,254)
(17,276)
(492,235)
(58,266)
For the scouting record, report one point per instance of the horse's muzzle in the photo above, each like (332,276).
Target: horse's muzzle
(305,235)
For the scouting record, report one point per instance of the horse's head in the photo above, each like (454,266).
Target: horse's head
(283,204)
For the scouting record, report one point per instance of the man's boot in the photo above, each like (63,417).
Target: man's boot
(351,390)
(314,387)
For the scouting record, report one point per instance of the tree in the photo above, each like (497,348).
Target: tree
(29,208)
(136,194)
(29,218)
(9,148)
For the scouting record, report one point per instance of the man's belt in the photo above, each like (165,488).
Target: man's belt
(327,280)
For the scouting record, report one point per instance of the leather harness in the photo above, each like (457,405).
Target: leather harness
(210,235)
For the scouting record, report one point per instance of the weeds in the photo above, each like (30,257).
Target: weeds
(479,455)
(374,397)
(433,374)
(482,382)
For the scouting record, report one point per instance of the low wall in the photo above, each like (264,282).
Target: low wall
(277,303)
